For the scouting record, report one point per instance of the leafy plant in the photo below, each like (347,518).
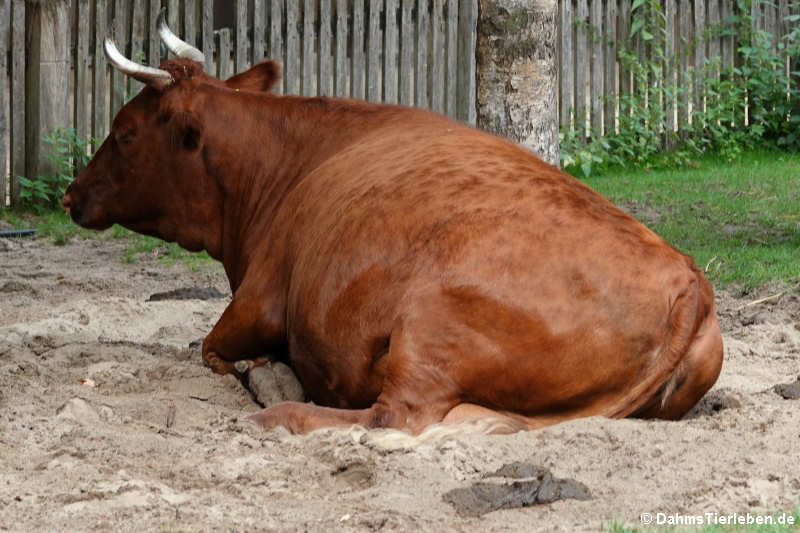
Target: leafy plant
(66,152)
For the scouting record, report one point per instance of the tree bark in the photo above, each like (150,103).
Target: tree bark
(517,73)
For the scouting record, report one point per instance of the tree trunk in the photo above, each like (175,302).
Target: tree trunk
(516,72)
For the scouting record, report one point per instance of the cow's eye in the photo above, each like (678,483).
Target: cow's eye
(125,137)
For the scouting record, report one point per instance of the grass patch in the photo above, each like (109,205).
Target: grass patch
(57,226)
(740,221)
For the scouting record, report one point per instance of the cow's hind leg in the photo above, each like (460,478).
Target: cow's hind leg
(416,393)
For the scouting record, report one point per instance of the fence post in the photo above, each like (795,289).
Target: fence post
(5,20)
(465,98)
(516,73)
(47,78)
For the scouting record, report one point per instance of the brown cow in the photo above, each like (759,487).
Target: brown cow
(414,269)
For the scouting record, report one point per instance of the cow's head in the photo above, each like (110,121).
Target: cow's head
(149,174)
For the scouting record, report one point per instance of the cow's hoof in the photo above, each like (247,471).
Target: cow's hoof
(283,414)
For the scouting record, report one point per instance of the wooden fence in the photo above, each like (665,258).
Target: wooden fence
(592,33)
(396,51)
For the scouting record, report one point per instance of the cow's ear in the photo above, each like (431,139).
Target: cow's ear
(260,77)
(187,131)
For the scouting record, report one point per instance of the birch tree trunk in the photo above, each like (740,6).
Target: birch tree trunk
(516,73)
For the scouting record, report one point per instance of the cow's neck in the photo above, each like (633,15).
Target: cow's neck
(282,141)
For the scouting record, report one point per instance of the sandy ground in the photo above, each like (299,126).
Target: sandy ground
(109,422)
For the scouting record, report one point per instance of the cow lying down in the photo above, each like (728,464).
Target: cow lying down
(413,270)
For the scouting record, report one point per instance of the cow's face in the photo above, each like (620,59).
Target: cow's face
(149,174)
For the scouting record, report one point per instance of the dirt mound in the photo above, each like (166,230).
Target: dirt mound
(109,421)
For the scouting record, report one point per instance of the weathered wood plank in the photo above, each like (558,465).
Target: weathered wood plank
(242,43)
(684,76)
(406,53)
(190,22)
(437,56)
(671,10)
(374,47)
(292,66)
(783,12)
(390,37)
(610,75)
(99,74)
(357,54)
(771,24)
(309,38)
(325,83)
(5,137)
(567,62)
(17,97)
(596,72)
(81,101)
(467,38)
(259,18)
(451,74)
(727,51)
(699,56)
(624,43)
(119,81)
(137,40)
(153,41)
(581,65)
(224,64)
(207,33)
(341,48)
(174,16)
(276,40)
(421,71)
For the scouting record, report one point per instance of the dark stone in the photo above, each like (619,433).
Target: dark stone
(788,391)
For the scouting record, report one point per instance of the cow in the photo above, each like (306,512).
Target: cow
(411,270)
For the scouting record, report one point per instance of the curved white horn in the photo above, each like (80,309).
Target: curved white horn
(149,75)
(174,43)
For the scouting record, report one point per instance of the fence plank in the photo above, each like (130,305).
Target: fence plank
(374,45)
(467,40)
(624,42)
(596,85)
(17,97)
(437,57)
(259,18)
(224,65)
(610,59)
(137,40)
(713,37)
(406,53)
(81,101)
(241,52)
(421,71)
(309,37)
(390,36)
(357,54)
(118,79)
(699,54)
(670,70)
(153,41)
(276,40)
(451,76)
(727,38)
(783,12)
(325,83)
(581,65)
(770,24)
(99,74)
(292,49)
(207,32)
(190,21)
(5,32)
(174,16)
(684,79)
(341,48)
(567,63)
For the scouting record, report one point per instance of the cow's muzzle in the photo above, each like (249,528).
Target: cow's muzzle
(68,203)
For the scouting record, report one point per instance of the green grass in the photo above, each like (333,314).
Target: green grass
(57,226)
(740,221)
(616,527)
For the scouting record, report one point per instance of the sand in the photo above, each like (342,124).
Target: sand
(110,422)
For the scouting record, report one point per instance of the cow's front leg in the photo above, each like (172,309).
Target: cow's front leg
(246,329)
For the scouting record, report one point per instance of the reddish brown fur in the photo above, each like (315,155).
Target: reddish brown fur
(411,266)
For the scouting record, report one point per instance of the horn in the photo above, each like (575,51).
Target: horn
(174,43)
(151,76)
